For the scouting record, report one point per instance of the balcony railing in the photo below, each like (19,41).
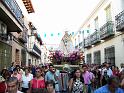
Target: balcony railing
(95,38)
(107,30)
(120,21)
(23,36)
(35,47)
(14,8)
(80,44)
(76,46)
(87,42)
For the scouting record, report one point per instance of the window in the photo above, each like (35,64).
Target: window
(5,55)
(110,55)
(88,56)
(97,57)
(108,13)
(96,24)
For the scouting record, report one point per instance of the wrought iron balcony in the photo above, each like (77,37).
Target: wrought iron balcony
(34,49)
(120,21)
(76,46)
(107,30)
(87,42)
(95,38)
(14,8)
(23,36)
(81,44)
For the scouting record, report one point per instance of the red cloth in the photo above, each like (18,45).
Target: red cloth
(2,87)
(38,83)
(115,73)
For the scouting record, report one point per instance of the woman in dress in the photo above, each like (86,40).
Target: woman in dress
(76,84)
(37,84)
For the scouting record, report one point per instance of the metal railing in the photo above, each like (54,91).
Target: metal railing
(107,30)
(87,42)
(95,37)
(23,36)
(120,21)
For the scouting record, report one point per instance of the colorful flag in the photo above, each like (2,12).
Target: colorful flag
(51,34)
(88,31)
(44,35)
(72,33)
(58,34)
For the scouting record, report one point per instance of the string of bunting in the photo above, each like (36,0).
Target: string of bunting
(72,33)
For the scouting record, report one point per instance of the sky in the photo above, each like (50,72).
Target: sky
(58,16)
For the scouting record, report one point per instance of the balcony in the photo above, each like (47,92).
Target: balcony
(81,44)
(35,50)
(76,46)
(107,30)
(87,42)
(23,35)
(11,15)
(120,21)
(95,38)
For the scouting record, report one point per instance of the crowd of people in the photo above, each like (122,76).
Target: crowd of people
(105,78)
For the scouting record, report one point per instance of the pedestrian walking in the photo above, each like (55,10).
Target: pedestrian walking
(37,84)
(76,84)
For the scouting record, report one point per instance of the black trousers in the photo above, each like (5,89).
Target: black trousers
(24,90)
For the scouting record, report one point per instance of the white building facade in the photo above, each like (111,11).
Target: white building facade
(33,46)
(103,33)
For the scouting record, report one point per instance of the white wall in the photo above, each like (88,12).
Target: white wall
(119,49)
(116,7)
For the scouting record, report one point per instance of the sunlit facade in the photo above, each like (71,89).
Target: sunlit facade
(15,34)
(102,32)
(33,46)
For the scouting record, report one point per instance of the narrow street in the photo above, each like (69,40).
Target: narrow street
(61,46)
